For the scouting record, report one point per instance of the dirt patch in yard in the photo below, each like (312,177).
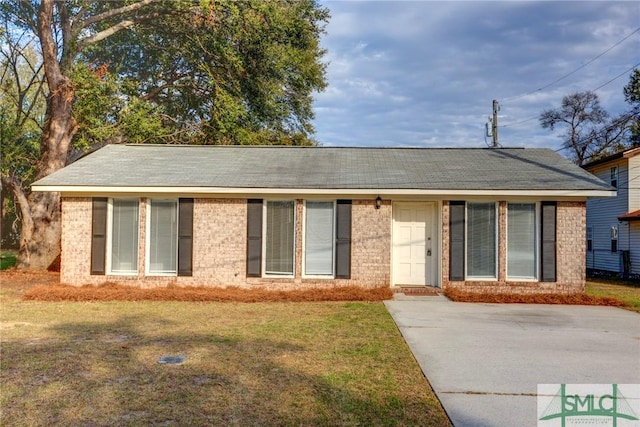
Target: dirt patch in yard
(568,299)
(14,283)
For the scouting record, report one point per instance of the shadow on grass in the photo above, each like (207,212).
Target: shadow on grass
(91,373)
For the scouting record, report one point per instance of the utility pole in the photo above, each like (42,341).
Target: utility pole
(494,123)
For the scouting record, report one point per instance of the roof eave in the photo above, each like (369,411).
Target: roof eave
(228,191)
(626,154)
(630,216)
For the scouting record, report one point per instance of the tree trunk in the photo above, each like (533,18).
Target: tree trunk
(40,237)
(41,227)
(40,243)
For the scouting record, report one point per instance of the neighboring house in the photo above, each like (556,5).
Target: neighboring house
(613,225)
(492,220)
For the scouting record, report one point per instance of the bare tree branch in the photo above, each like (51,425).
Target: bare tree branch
(15,185)
(156,90)
(116,12)
(114,29)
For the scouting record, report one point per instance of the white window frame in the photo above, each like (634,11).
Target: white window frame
(304,244)
(590,238)
(466,242)
(147,259)
(536,245)
(265,274)
(614,237)
(613,176)
(109,240)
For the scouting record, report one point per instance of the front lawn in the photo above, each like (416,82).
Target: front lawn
(627,293)
(96,363)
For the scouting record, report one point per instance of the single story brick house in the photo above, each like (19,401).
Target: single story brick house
(494,220)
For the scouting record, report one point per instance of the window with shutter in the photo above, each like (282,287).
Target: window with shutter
(123,237)
(456,240)
(548,242)
(481,241)
(162,237)
(279,238)
(522,242)
(185,237)
(319,238)
(254,237)
(343,239)
(98,235)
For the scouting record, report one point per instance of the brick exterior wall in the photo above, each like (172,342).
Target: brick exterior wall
(571,246)
(75,258)
(219,248)
(570,255)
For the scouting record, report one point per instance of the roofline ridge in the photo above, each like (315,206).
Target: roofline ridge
(341,147)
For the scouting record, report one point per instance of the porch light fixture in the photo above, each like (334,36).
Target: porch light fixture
(378,202)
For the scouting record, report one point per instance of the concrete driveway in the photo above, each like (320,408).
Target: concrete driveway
(484,361)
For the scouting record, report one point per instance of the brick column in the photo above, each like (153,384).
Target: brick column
(502,241)
(299,218)
(444,244)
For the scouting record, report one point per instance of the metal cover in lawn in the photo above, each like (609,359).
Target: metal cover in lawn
(171,360)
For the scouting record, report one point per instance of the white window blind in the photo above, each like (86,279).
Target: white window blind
(163,237)
(279,245)
(481,240)
(124,236)
(521,241)
(319,238)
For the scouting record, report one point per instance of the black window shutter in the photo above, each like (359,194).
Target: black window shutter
(456,240)
(98,235)
(185,237)
(254,237)
(548,242)
(343,239)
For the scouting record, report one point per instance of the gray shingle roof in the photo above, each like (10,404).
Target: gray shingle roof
(324,168)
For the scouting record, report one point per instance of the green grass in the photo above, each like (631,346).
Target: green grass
(626,293)
(246,364)
(7,259)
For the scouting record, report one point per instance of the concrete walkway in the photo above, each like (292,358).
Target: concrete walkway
(484,361)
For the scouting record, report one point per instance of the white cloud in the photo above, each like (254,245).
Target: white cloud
(425,73)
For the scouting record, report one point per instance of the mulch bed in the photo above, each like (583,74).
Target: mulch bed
(114,292)
(44,286)
(568,299)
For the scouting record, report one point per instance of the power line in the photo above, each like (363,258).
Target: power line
(574,71)
(520,122)
(617,77)
(592,90)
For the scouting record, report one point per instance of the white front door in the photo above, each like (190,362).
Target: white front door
(414,244)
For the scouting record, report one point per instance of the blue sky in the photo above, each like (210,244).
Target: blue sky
(424,74)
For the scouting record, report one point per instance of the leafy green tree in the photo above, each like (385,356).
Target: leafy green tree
(221,72)
(239,72)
